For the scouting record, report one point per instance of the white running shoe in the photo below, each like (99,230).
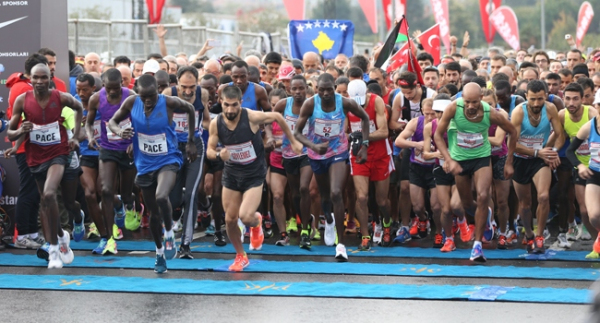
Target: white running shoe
(54,258)
(585,235)
(547,234)
(322,222)
(329,234)
(340,252)
(574,233)
(177,227)
(377,233)
(562,241)
(66,254)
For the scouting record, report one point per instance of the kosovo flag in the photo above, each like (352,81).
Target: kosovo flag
(326,37)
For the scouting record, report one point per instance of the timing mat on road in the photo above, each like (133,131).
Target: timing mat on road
(180,286)
(309,267)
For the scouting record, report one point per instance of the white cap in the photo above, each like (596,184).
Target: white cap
(150,66)
(440,105)
(357,90)
(597,98)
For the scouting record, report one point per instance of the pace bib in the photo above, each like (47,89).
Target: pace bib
(45,135)
(153,145)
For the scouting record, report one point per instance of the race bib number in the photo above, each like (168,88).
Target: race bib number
(419,158)
(291,123)
(97,125)
(328,128)
(469,140)
(242,154)
(357,126)
(584,149)
(595,152)
(45,135)
(181,122)
(122,125)
(532,142)
(153,145)
(496,148)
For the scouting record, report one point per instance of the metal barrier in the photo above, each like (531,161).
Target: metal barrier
(136,39)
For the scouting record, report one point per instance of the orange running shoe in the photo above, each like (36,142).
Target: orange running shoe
(240,262)
(256,235)
(438,241)
(448,246)
(597,245)
(466,234)
(414,227)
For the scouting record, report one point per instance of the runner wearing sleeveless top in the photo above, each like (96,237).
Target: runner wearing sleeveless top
(156,155)
(467,156)
(245,167)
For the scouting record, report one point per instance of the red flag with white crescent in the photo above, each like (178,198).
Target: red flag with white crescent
(295,9)
(486,11)
(430,39)
(398,59)
(440,12)
(586,14)
(155,8)
(505,21)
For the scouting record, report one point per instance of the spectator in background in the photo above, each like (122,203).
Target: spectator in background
(580,70)
(424,59)
(212,66)
(51,57)
(273,62)
(227,68)
(566,77)
(341,86)
(311,61)
(126,76)
(252,61)
(74,71)
(121,60)
(92,63)
(334,71)
(431,77)
(542,60)
(138,67)
(341,61)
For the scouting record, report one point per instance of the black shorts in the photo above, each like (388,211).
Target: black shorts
(241,183)
(421,176)
(498,167)
(470,166)
(525,169)
(121,158)
(594,180)
(292,166)
(565,165)
(576,179)
(405,164)
(90,162)
(73,168)
(213,166)
(395,174)
(40,171)
(277,170)
(149,179)
(441,177)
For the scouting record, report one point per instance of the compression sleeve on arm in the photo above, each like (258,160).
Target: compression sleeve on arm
(575,143)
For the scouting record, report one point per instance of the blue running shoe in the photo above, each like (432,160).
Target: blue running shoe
(98,250)
(488,234)
(210,230)
(160,266)
(170,248)
(477,254)
(43,252)
(402,236)
(78,229)
(120,216)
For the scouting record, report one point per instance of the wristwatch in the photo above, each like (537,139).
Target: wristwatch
(365,143)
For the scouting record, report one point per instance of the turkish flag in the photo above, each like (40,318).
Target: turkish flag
(391,16)
(155,8)
(295,9)
(369,7)
(505,21)
(440,12)
(484,8)
(398,59)
(430,39)
(586,14)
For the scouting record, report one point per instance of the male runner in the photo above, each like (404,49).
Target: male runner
(535,158)
(328,154)
(255,96)
(467,155)
(157,158)
(245,167)
(48,149)
(190,174)
(113,155)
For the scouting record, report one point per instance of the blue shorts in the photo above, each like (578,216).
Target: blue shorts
(322,166)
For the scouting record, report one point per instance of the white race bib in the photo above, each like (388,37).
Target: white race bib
(291,123)
(153,145)
(584,149)
(469,140)
(242,153)
(533,142)
(74,161)
(357,126)
(595,152)
(328,128)
(419,158)
(45,135)
(496,148)
(125,124)
(181,122)
(97,125)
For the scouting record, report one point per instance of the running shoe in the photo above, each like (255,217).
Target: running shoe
(365,244)
(539,245)
(573,232)
(305,241)
(511,237)
(585,235)
(133,219)
(204,218)
(340,253)
(386,241)
(502,243)
(43,252)
(546,234)
(26,243)
(488,233)
(330,234)
(54,260)
(177,226)
(100,248)
(597,244)
(110,247)
(210,230)
(403,235)
(466,234)
(185,252)
(240,262)
(78,230)
(284,240)
(117,233)
(160,265)
(438,241)
(595,254)
(66,254)
(350,227)
(530,244)
(292,225)
(93,231)
(219,239)
(268,226)
(256,235)
(120,215)
(477,254)
(423,229)
(377,233)
(414,228)
(518,224)
(321,222)
(39,240)
(455,227)
(562,241)
(448,246)
(170,247)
